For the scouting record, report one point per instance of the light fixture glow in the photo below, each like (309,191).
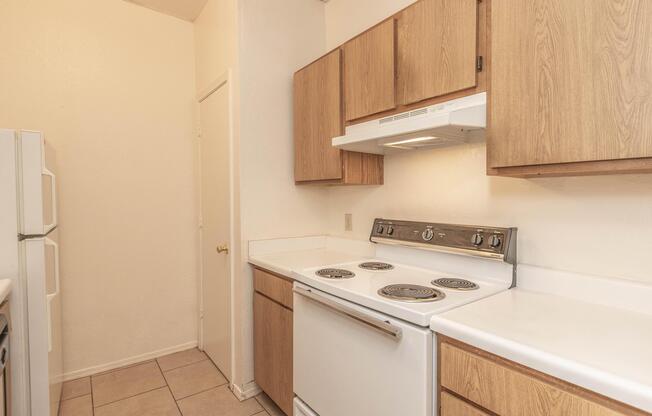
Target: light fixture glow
(407,141)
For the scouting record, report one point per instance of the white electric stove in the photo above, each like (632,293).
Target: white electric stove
(362,345)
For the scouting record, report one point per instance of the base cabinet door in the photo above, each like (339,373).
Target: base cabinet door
(273,351)
(508,389)
(452,406)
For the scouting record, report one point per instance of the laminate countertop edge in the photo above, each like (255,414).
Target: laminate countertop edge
(562,337)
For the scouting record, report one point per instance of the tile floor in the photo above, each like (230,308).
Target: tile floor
(181,384)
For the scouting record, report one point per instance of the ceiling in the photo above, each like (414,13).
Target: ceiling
(183,9)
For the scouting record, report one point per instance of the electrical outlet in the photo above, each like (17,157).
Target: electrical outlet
(348,222)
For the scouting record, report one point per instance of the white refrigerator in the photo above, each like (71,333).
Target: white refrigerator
(29,256)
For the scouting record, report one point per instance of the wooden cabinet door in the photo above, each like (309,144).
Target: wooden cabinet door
(369,79)
(508,390)
(317,119)
(570,81)
(452,406)
(273,351)
(437,48)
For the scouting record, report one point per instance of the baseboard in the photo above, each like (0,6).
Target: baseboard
(72,375)
(247,391)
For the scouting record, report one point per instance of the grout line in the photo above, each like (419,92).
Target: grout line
(182,366)
(124,367)
(130,397)
(134,395)
(90,381)
(176,403)
(203,391)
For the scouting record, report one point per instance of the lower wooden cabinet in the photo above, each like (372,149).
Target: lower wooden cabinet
(474,382)
(273,343)
(453,406)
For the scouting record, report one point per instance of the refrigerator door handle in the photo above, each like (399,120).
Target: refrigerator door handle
(50,296)
(53,180)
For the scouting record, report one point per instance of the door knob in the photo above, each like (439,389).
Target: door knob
(223,249)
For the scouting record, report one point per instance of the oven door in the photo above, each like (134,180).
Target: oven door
(352,361)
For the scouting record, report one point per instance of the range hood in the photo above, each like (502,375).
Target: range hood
(442,124)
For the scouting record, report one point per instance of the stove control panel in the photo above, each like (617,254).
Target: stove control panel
(493,242)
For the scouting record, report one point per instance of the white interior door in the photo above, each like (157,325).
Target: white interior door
(215,160)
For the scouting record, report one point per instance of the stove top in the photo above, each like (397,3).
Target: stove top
(404,291)
(404,281)
(375,265)
(411,293)
(455,283)
(335,273)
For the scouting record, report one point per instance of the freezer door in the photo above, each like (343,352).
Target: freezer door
(37,185)
(44,323)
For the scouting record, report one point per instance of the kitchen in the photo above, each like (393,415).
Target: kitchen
(120,92)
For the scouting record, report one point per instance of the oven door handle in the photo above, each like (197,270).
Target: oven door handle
(379,325)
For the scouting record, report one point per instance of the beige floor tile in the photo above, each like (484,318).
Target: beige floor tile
(76,388)
(269,406)
(194,378)
(121,384)
(218,402)
(154,403)
(79,406)
(179,359)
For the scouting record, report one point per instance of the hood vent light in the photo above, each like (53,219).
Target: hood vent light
(443,124)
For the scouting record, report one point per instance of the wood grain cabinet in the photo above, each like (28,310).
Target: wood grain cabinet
(369,75)
(317,119)
(437,49)
(571,87)
(273,338)
(474,383)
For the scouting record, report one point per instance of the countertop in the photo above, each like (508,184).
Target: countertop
(5,289)
(286,263)
(602,348)
(283,256)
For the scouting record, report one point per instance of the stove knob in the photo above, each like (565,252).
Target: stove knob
(390,230)
(477,239)
(380,229)
(428,234)
(495,241)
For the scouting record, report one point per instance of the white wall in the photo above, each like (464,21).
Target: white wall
(112,86)
(599,225)
(347,18)
(276,39)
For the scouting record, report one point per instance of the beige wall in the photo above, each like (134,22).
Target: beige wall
(598,225)
(112,85)
(276,38)
(346,18)
(263,45)
(216,54)
(215,41)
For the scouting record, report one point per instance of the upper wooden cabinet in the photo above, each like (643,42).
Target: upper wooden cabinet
(571,87)
(369,76)
(437,49)
(317,119)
